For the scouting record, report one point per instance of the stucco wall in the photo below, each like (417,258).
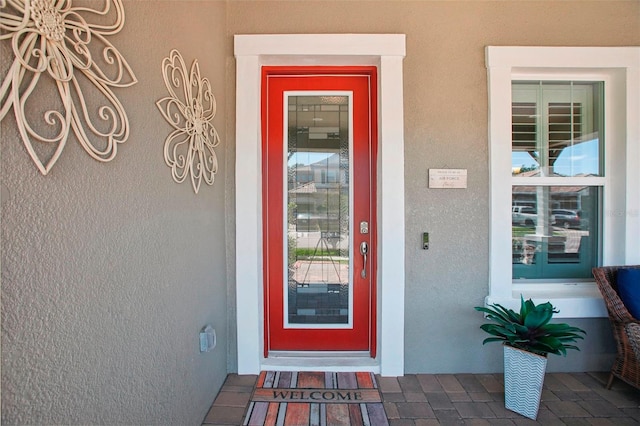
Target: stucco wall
(110,270)
(446,127)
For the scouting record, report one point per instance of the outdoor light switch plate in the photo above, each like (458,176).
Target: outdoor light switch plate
(207,339)
(425,241)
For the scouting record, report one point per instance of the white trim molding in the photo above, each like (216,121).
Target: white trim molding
(386,51)
(619,68)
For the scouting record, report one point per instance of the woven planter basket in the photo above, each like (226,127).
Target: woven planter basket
(523,380)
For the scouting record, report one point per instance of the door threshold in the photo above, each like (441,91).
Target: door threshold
(321,361)
(318,354)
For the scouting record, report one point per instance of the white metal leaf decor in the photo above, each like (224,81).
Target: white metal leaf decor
(189,109)
(64,49)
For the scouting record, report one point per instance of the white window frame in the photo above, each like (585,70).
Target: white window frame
(619,68)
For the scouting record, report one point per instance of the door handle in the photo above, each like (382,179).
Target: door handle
(364,250)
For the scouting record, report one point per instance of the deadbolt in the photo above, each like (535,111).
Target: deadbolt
(364,227)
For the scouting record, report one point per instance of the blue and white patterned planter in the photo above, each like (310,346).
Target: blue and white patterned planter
(523,380)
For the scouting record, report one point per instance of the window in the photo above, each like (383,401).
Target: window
(557,132)
(564,148)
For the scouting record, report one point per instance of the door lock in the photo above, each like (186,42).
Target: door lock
(364,227)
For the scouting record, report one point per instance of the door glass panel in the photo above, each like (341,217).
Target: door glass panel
(317,253)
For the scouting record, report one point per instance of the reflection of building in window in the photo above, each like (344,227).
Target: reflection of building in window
(318,195)
(561,197)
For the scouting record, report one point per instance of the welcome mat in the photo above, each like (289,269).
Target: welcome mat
(315,399)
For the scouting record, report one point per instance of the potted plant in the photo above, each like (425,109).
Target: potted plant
(528,337)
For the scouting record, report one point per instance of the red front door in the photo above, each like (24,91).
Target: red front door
(319,149)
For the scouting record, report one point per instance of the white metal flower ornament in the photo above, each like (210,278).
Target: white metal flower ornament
(63,49)
(190,108)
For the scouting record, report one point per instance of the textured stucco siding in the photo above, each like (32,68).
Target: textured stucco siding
(110,270)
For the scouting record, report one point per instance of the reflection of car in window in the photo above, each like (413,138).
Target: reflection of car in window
(567,218)
(523,215)
(527,216)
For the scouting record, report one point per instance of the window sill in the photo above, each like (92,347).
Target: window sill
(573,300)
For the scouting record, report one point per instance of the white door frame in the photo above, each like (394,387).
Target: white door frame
(386,51)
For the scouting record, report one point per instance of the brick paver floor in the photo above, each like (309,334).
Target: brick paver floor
(468,399)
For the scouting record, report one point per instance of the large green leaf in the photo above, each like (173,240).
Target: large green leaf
(538,317)
(525,307)
(498,313)
(492,339)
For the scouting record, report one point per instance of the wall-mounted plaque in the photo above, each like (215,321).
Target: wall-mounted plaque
(447,178)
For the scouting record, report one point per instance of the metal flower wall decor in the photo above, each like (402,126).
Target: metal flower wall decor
(63,59)
(189,109)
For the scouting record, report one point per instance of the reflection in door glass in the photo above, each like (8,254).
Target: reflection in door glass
(317,252)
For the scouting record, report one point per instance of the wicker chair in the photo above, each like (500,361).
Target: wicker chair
(633,331)
(626,366)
